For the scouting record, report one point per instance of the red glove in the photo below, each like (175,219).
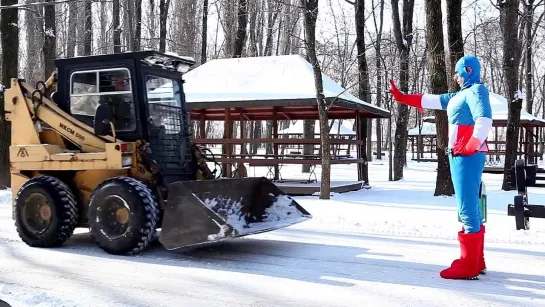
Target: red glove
(413,100)
(471,147)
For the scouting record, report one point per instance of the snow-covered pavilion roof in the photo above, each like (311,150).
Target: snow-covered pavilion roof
(283,81)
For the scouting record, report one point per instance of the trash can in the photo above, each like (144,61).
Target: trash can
(482,204)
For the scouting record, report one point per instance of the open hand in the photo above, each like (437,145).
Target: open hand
(413,100)
(398,95)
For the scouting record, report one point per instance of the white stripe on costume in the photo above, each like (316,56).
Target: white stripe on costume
(483,125)
(430,101)
(452,132)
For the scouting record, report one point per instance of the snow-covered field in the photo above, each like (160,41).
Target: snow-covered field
(379,247)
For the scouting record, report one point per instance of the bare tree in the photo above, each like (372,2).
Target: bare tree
(204,38)
(242,24)
(49,48)
(310,9)
(116,11)
(403,37)
(137,39)
(9,19)
(163,16)
(438,85)
(88,37)
(529,14)
(228,21)
(238,48)
(379,70)
(509,12)
(364,87)
(72,23)
(455,39)
(34,40)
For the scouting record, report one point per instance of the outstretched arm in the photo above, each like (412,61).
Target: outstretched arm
(421,101)
(437,102)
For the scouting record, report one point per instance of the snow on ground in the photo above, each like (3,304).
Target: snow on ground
(379,247)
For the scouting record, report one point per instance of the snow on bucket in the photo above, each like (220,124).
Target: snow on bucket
(199,212)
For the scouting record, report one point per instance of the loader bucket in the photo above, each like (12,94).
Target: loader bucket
(206,211)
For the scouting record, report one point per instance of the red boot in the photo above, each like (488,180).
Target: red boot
(467,267)
(482,264)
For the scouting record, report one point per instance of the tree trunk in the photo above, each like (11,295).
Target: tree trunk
(129,28)
(34,42)
(310,16)
(152,26)
(116,26)
(137,41)
(238,48)
(364,87)
(49,48)
(379,67)
(438,85)
(204,35)
(240,39)
(529,11)
(163,16)
(272,16)
(72,23)
(308,149)
(455,39)
(104,42)
(88,37)
(511,59)
(403,38)
(9,20)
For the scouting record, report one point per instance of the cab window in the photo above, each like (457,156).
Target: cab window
(165,105)
(89,89)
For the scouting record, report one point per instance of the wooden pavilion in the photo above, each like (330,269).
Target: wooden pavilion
(423,141)
(338,130)
(272,89)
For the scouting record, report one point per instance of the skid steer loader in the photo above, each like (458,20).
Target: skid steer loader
(104,143)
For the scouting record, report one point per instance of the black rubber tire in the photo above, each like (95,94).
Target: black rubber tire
(142,221)
(64,214)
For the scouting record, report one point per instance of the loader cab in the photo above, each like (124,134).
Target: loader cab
(145,100)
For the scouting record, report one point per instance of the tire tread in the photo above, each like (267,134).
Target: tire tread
(67,217)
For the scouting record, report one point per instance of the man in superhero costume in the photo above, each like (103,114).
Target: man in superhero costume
(470,121)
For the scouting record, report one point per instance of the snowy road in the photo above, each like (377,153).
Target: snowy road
(378,247)
(288,268)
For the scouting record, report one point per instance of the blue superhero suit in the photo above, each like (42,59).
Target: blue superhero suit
(470,121)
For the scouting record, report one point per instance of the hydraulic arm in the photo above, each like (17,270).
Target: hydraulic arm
(28,107)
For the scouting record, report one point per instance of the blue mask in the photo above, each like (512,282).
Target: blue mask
(469,78)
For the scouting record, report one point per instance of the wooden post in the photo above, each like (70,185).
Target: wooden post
(275,146)
(412,148)
(526,141)
(519,143)
(241,130)
(358,147)
(496,144)
(228,135)
(202,125)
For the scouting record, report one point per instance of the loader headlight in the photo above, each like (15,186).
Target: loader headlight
(126,161)
(183,68)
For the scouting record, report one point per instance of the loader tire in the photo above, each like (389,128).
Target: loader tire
(46,212)
(122,216)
